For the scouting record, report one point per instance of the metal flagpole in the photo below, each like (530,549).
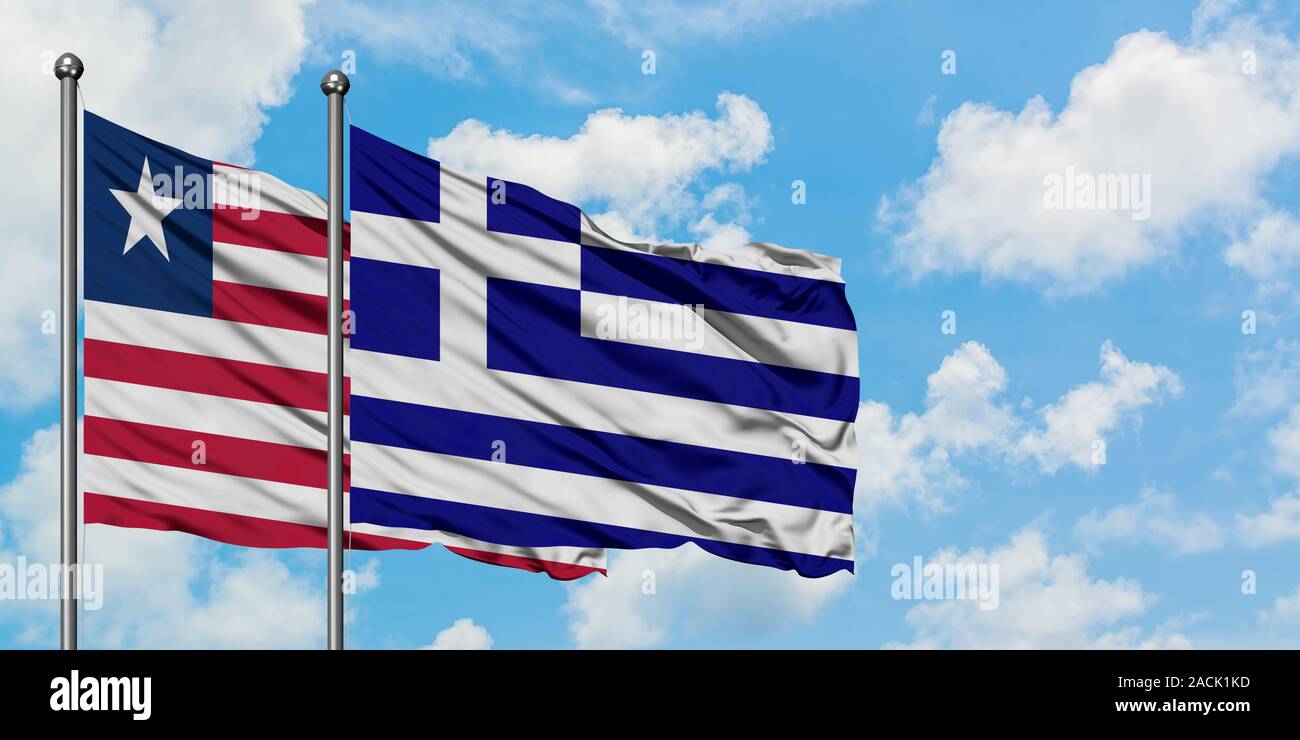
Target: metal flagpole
(335,85)
(68,69)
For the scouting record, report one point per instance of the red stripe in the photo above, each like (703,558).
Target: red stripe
(212,376)
(282,309)
(246,458)
(233,529)
(282,232)
(558,571)
(251,531)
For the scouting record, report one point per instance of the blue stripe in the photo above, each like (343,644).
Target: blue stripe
(519,529)
(395,308)
(603,454)
(535,329)
(735,289)
(513,208)
(392,181)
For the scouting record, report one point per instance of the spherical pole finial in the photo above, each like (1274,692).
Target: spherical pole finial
(333,82)
(68,65)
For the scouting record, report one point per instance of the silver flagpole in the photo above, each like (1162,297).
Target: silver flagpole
(335,85)
(68,69)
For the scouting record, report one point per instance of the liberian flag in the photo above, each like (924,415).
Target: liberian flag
(205,356)
(521,377)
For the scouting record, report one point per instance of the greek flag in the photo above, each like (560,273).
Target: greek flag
(523,379)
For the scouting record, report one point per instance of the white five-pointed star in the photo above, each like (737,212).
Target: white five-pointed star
(147,212)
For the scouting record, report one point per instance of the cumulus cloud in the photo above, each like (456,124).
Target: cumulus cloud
(160,589)
(463,634)
(253,601)
(642,167)
(1155,519)
(653,596)
(1087,414)
(1280,523)
(199,75)
(673,22)
(910,458)
(1045,601)
(1203,125)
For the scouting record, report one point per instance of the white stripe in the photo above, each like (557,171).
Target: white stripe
(231,417)
(230,340)
(464,252)
(267,268)
(602,500)
(573,555)
(272,500)
(197,489)
(754,256)
(719,333)
(236,187)
(602,408)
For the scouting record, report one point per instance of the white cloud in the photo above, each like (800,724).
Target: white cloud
(613,224)
(1045,601)
(1154,519)
(1267,381)
(1285,611)
(910,458)
(925,117)
(566,92)
(366,578)
(462,40)
(898,464)
(653,596)
(199,76)
(1284,439)
(254,602)
(463,634)
(642,167)
(160,589)
(719,236)
(1166,636)
(447,37)
(1186,114)
(673,22)
(1090,412)
(1279,524)
(960,410)
(729,202)
(1268,251)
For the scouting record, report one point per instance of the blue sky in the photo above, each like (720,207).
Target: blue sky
(926,184)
